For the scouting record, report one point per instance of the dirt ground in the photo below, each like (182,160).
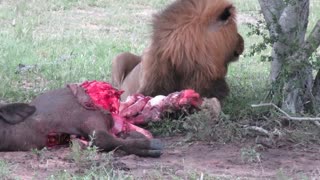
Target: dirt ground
(181,159)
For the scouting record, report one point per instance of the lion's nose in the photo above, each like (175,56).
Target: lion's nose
(240,47)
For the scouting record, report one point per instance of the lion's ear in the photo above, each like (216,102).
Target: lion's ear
(222,19)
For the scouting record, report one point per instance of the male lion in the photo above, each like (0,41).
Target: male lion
(192,43)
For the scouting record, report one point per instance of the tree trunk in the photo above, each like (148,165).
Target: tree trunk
(291,70)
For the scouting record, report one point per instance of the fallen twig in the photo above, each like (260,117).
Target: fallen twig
(286,114)
(259,129)
(275,133)
(317,123)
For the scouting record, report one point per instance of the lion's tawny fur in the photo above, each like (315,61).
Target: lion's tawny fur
(190,48)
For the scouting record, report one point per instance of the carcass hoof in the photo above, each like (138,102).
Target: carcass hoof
(154,153)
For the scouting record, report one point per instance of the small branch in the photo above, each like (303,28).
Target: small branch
(272,9)
(276,134)
(317,123)
(316,85)
(286,114)
(308,47)
(316,92)
(258,129)
(294,21)
(313,41)
(314,37)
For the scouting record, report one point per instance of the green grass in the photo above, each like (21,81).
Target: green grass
(91,173)
(4,170)
(248,78)
(90,164)
(75,40)
(68,41)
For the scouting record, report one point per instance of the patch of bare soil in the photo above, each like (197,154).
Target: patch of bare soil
(229,160)
(180,159)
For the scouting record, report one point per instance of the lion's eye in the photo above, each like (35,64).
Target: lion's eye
(222,19)
(225,14)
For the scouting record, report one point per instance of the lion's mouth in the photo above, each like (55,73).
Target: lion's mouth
(236,54)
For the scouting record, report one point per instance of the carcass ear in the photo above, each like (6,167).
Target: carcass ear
(222,19)
(16,112)
(82,97)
